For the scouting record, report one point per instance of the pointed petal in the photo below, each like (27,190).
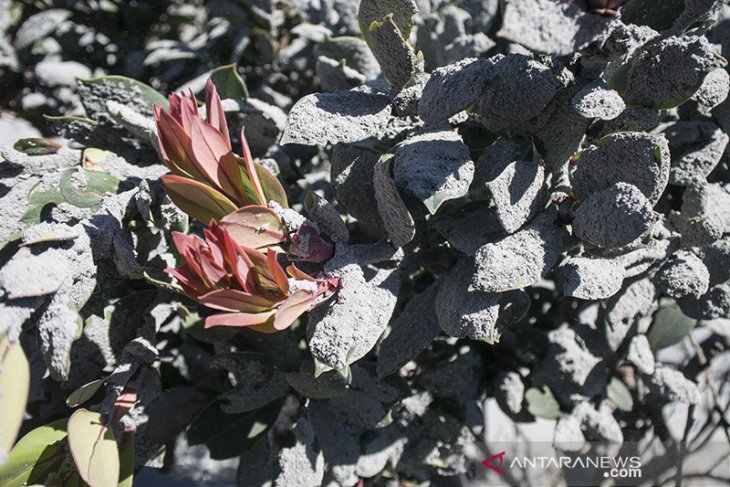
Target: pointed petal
(255,226)
(251,170)
(197,199)
(298,274)
(215,113)
(235,300)
(238,319)
(215,159)
(191,283)
(176,147)
(292,308)
(277,272)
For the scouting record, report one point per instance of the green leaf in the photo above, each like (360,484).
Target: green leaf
(229,83)
(94,449)
(273,190)
(198,200)
(255,226)
(620,394)
(37,454)
(668,327)
(126,459)
(402,10)
(84,393)
(229,435)
(35,146)
(14,387)
(89,193)
(96,92)
(39,199)
(542,404)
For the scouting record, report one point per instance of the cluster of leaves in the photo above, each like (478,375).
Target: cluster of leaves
(525,205)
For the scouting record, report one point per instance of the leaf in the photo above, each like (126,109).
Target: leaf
(38,200)
(395,56)
(396,218)
(229,435)
(620,394)
(229,83)
(255,226)
(657,15)
(96,92)
(273,190)
(87,193)
(198,200)
(402,10)
(36,455)
(14,388)
(94,449)
(83,393)
(433,166)
(126,459)
(542,404)
(35,146)
(668,327)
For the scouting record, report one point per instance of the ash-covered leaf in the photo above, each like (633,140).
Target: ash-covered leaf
(714,90)
(402,10)
(353,51)
(301,464)
(380,448)
(598,101)
(630,157)
(667,73)
(38,26)
(341,117)
(518,91)
(705,213)
(570,368)
(641,355)
(552,27)
(463,311)
(348,327)
(671,385)
(684,274)
(598,425)
(623,311)
(590,278)
(396,218)
(410,333)
(95,93)
(521,259)
(510,392)
(339,441)
(258,381)
(324,386)
(469,227)
(368,401)
(519,193)
(614,217)
(433,166)
(696,148)
(336,75)
(396,57)
(454,88)
(351,175)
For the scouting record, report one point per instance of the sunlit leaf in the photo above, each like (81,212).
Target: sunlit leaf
(229,83)
(38,453)
(94,449)
(14,387)
(542,403)
(198,200)
(83,393)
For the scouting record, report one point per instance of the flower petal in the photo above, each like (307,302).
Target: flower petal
(214,111)
(255,226)
(292,308)
(238,319)
(235,300)
(277,272)
(198,200)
